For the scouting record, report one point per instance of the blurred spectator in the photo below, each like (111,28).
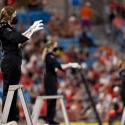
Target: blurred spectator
(113,9)
(86,39)
(34,5)
(10,2)
(117,26)
(1,4)
(86,14)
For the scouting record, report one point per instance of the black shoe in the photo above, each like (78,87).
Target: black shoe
(53,123)
(13,118)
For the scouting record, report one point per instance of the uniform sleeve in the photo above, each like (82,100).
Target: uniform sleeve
(13,36)
(53,61)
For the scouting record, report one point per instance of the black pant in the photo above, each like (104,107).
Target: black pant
(122,76)
(11,70)
(50,83)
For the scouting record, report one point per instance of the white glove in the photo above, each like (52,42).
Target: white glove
(37,25)
(71,65)
(74,65)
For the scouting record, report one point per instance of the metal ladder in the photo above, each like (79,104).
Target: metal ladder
(123,117)
(38,103)
(8,102)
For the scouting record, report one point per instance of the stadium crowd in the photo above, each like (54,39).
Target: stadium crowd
(99,64)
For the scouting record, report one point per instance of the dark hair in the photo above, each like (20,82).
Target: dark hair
(6,13)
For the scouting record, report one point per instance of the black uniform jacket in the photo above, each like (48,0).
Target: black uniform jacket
(50,77)
(10,38)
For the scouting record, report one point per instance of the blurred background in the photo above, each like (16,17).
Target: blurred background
(90,32)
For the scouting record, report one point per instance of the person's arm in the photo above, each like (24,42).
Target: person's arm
(64,66)
(13,36)
(37,25)
(53,61)
(70,65)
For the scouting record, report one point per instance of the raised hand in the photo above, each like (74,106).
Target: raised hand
(37,25)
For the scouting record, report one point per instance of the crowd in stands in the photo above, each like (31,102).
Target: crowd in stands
(76,44)
(116,18)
